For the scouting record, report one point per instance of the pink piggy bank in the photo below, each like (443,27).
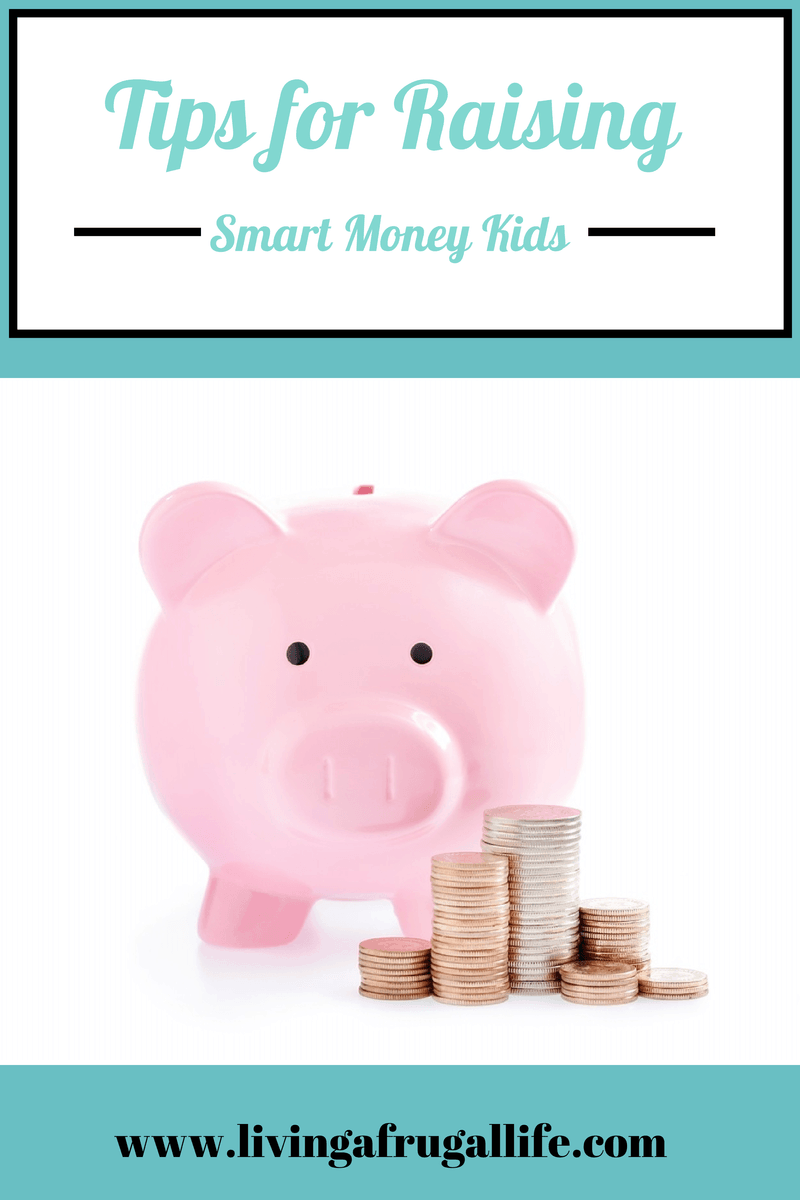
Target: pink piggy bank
(335,693)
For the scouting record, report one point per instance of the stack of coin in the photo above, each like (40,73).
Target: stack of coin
(469,946)
(616,930)
(599,983)
(672,983)
(541,844)
(395,968)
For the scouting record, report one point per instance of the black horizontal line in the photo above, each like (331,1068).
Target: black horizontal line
(136,231)
(652,231)
(645,13)
(494,334)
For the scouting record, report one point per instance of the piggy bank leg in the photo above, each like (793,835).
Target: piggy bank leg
(235,916)
(414,912)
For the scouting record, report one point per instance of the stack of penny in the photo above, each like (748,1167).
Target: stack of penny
(395,968)
(616,930)
(541,844)
(672,983)
(469,945)
(599,983)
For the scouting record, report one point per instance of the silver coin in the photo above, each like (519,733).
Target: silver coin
(521,933)
(532,933)
(551,982)
(496,816)
(540,971)
(533,993)
(613,931)
(531,958)
(536,984)
(555,881)
(527,952)
(531,827)
(536,927)
(534,849)
(532,952)
(675,975)
(502,837)
(501,847)
(530,899)
(536,966)
(522,937)
(534,958)
(543,876)
(614,904)
(529,896)
(534,882)
(538,892)
(554,911)
(540,964)
(560,919)
(548,837)
(543,945)
(543,922)
(524,867)
(538,885)
(551,915)
(537,950)
(523,981)
(516,938)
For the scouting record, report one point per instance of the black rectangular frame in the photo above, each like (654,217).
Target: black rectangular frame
(784,332)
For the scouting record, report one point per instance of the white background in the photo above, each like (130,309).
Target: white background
(725,76)
(685,595)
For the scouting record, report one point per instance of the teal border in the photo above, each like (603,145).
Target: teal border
(318,357)
(729,1131)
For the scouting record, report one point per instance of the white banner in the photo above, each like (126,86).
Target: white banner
(400,173)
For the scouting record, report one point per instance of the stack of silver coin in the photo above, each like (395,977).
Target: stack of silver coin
(615,929)
(541,843)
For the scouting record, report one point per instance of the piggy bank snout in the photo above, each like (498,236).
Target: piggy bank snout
(384,770)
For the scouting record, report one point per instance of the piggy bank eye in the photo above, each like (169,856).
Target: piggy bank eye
(421,653)
(298,653)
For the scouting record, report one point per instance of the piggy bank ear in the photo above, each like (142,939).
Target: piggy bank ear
(514,525)
(193,528)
